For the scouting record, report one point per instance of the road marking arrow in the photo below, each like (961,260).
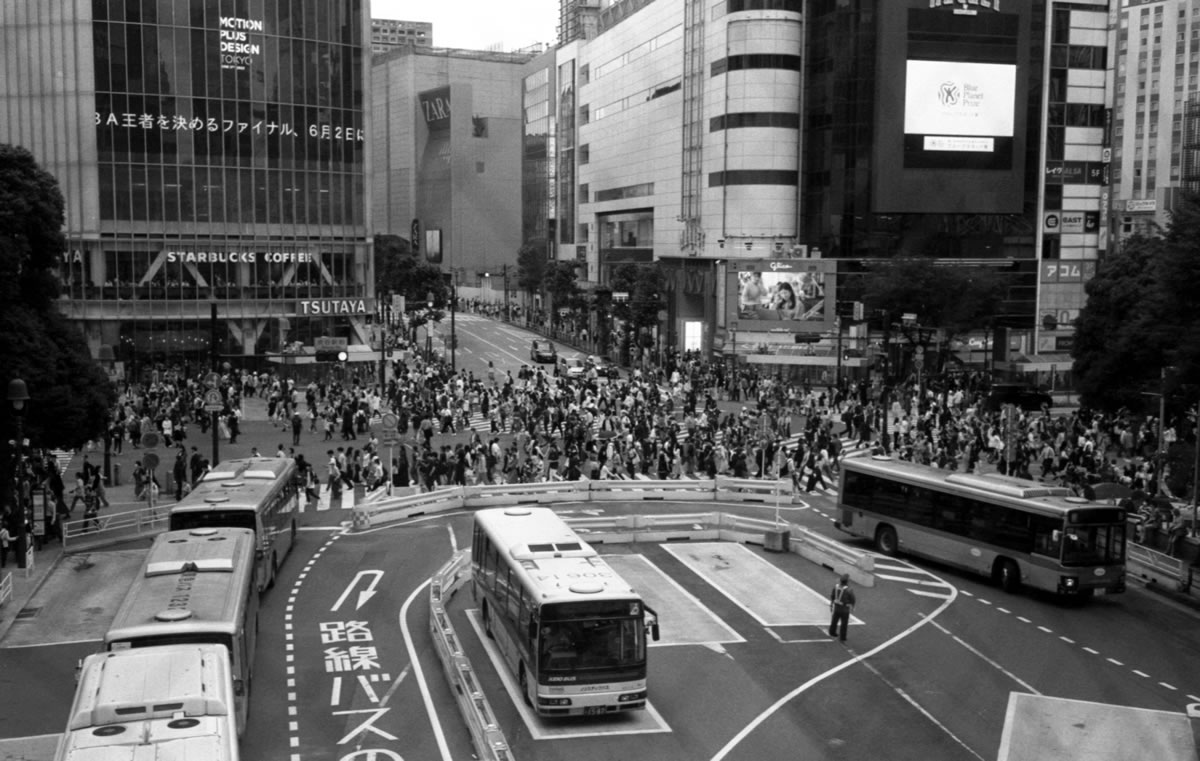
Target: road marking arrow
(364,595)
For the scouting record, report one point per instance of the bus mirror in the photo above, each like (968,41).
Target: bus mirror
(654,631)
(239,687)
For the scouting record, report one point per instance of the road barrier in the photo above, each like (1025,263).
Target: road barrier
(485,730)
(1154,567)
(108,527)
(6,588)
(382,511)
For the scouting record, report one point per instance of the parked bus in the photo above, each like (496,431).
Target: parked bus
(1018,532)
(155,703)
(258,493)
(196,587)
(571,631)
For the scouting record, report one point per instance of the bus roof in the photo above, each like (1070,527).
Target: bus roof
(1054,500)
(233,484)
(191,582)
(551,561)
(149,683)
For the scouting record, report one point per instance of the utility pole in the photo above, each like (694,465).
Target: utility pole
(453,309)
(507,305)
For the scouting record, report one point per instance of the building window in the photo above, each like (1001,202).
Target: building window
(753,177)
(585,153)
(756,61)
(584,114)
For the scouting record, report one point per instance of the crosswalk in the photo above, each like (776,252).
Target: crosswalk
(326,501)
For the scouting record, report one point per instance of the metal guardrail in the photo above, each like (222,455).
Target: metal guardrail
(1152,566)
(110,527)
(486,734)
(720,489)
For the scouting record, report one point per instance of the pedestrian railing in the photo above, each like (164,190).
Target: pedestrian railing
(6,588)
(110,526)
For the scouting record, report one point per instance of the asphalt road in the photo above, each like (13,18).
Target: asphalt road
(346,670)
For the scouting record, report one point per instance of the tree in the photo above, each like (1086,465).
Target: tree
(1118,349)
(562,283)
(1140,319)
(955,299)
(531,266)
(71,393)
(645,284)
(398,271)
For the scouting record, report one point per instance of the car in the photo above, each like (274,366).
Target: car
(1025,397)
(604,367)
(571,367)
(543,351)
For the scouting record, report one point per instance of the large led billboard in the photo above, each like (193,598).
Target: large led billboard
(951,129)
(955,105)
(797,295)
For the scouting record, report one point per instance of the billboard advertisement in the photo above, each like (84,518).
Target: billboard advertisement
(959,106)
(951,109)
(793,294)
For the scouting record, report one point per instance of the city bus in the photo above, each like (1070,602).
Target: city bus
(570,630)
(196,587)
(258,493)
(1018,532)
(174,701)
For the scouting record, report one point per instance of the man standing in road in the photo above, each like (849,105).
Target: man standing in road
(841,603)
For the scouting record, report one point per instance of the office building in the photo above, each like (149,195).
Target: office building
(389,34)
(212,164)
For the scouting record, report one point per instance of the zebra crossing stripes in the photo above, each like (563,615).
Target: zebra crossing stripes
(325,501)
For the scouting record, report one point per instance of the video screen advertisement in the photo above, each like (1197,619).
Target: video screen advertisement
(951,100)
(797,295)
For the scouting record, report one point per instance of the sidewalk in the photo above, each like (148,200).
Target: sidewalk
(26,582)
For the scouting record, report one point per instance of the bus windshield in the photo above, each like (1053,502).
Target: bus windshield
(185,520)
(1093,545)
(597,643)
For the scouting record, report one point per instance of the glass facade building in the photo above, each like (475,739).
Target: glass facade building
(213,154)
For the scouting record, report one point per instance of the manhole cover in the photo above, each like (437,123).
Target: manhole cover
(27,613)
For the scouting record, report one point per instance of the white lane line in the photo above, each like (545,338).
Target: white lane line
(781,702)
(1028,687)
(1068,640)
(1114,662)
(1003,610)
(1089,650)
(923,593)
(1024,620)
(1168,686)
(1044,629)
(414,659)
(1142,674)
(922,711)
(1193,698)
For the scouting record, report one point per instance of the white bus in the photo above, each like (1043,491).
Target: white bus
(157,702)
(196,587)
(571,631)
(1018,532)
(258,493)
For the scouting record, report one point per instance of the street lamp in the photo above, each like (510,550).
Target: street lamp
(18,394)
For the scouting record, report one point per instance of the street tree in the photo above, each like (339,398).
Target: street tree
(71,394)
(955,299)
(1119,345)
(531,266)
(562,284)
(645,285)
(399,271)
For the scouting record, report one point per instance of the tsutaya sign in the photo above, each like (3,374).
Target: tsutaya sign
(993,4)
(332,306)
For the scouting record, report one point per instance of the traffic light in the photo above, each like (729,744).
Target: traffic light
(332,355)
(858,310)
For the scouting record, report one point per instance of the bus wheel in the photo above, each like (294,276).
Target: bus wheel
(487,621)
(885,540)
(525,686)
(1008,575)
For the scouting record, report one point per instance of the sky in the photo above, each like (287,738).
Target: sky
(478,24)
